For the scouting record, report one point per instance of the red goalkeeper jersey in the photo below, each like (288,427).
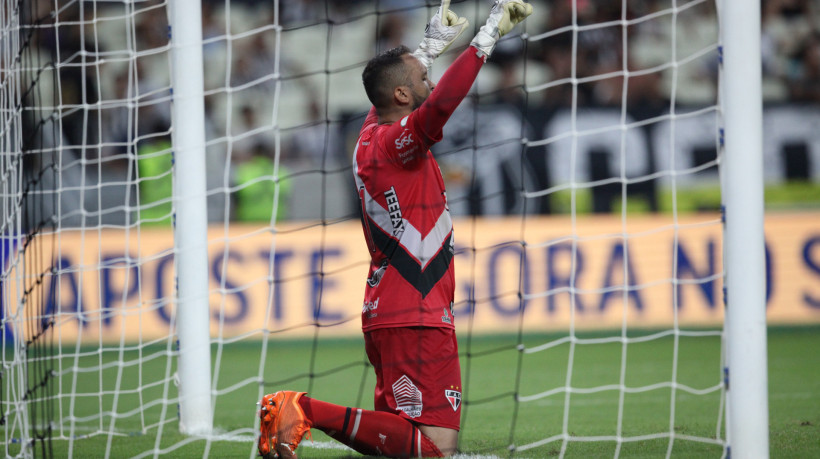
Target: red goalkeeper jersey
(405,218)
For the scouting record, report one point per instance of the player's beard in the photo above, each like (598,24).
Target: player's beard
(418,99)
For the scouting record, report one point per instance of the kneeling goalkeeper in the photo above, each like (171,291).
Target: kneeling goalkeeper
(407,315)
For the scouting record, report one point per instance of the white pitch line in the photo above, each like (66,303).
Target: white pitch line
(337,445)
(329,445)
(324,445)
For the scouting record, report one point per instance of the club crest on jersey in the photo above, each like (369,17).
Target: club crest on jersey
(454,397)
(408,397)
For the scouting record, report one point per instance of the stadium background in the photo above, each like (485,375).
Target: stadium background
(323,47)
(291,96)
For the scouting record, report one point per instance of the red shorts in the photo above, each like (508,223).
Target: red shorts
(418,375)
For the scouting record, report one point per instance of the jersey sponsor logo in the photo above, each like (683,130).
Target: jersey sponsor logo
(405,140)
(408,397)
(394,210)
(446,318)
(369,308)
(407,155)
(403,121)
(454,397)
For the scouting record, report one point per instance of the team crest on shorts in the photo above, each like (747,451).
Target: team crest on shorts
(408,397)
(454,397)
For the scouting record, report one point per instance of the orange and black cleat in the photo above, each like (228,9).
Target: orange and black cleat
(283,424)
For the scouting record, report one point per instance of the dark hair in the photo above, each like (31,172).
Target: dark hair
(383,73)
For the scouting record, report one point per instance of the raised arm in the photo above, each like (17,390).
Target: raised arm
(414,131)
(459,77)
(448,94)
(442,31)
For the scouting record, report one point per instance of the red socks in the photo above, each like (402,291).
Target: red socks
(372,433)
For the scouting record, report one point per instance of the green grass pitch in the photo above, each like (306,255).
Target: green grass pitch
(492,420)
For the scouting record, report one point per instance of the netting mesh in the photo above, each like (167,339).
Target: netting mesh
(579,169)
(30,167)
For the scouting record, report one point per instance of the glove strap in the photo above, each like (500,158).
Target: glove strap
(485,40)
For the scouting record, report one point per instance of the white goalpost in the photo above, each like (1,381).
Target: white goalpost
(180,232)
(191,222)
(747,377)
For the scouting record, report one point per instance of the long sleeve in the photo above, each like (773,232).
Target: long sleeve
(407,141)
(453,87)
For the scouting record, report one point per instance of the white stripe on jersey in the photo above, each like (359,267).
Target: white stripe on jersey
(422,248)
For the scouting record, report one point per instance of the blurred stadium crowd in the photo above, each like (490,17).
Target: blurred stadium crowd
(292,94)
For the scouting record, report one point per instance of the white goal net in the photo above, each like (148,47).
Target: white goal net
(583,173)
